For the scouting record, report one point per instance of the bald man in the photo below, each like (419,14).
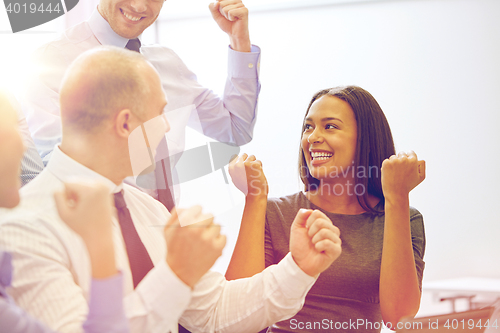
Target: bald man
(107,94)
(106,314)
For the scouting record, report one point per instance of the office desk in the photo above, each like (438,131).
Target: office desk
(476,290)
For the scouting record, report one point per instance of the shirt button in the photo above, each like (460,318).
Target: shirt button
(250,65)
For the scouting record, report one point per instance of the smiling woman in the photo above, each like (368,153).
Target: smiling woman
(346,141)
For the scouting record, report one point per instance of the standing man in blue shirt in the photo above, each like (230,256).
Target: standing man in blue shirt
(230,118)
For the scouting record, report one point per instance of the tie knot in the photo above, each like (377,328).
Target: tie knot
(120,200)
(134,45)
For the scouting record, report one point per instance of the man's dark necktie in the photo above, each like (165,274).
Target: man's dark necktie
(138,257)
(162,170)
(133,45)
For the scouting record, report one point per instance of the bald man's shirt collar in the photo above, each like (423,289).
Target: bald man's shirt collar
(67,169)
(103,32)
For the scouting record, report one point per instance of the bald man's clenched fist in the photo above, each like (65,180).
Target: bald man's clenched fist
(314,241)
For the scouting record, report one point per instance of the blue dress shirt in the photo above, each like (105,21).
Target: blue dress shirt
(229,119)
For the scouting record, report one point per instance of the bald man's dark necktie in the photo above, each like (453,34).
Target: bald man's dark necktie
(162,170)
(138,256)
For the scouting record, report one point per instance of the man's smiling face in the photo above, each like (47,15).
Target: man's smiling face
(129,18)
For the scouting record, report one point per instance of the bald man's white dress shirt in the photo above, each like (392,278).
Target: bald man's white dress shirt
(52,269)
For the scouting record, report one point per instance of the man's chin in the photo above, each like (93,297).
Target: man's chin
(123,31)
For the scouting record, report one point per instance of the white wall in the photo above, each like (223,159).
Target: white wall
(15,49)
(434,68)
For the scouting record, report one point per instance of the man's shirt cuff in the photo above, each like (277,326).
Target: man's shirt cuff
(244,65)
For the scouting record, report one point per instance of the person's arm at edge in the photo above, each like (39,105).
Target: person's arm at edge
(105,315)
(106,311)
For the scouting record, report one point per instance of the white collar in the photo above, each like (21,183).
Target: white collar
(67,169)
